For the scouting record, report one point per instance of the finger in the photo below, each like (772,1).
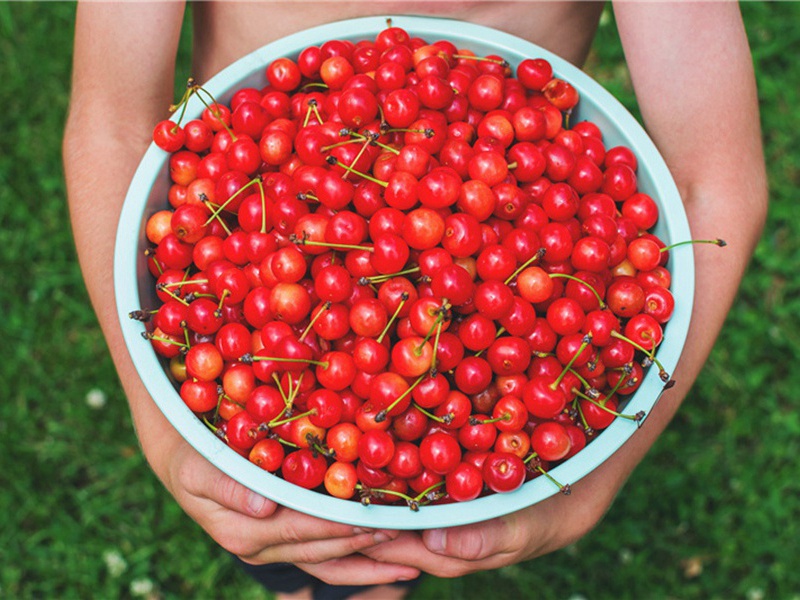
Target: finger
(285,536)
(360,570)
(201,479)
(474,542)
(409,549)
(319,551)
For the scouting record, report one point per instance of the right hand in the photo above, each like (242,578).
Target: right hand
(260,531)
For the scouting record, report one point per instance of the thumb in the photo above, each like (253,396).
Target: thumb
(201,479)
(470,542)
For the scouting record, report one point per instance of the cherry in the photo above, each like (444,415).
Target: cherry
(304,467)
(464,482)
(440,453)
(199,396)
(503,472)
(268,454)
(550,441)
(376,448)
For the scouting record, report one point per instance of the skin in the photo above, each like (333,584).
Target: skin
(701,113)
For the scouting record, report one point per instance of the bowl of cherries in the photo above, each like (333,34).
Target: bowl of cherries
(403,273)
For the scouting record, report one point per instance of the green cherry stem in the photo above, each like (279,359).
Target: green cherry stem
(381,416)
(304,241)
(587,339)
(717,242)
(396,313)
(651,354)
(215,213)
(446,419)
(602,405)
(332,160)
(214,111)
(538,256)
(327,306)
(582,282)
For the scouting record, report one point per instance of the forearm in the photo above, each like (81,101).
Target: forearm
(693,77)
(121,86)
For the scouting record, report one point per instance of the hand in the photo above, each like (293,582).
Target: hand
(259,531)
(534,531)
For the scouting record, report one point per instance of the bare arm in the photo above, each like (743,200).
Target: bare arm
(693,77)
(122,85)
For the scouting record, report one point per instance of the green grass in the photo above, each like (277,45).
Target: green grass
(711,513)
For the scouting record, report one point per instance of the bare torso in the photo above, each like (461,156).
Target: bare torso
(225,31)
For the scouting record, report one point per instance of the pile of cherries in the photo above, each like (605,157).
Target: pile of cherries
(397,273)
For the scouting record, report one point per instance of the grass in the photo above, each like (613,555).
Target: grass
(711,513)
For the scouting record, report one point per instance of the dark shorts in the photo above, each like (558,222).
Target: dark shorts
(286,578)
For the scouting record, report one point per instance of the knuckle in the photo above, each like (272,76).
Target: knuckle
(305,554)
(235,544)
(226,490)
(470,545)
(289,533)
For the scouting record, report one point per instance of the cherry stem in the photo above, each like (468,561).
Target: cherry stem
(381,416)
(501,62)
(587,339)
(164,340)
(225,293)
(397,310)
(434,370)
(263,206)
(183,282)
(627,372)
(275,423)
(717,242)
(576,406)
(592,391)
(310,361)
(318,84)
(217,217)
(304,241)
(163,288)
(651,354)
(428,133)
(357,157)
(446,420)
(215,213)
(539,254)
(582,282)
(473,420)
(184,101)
(338,144)
(602,405)
(564,489)
(306,331)
(439,318)
(214,111)
(332,160)
(384,278)
(277,381)
(312,107)
(373,139)
(307,196)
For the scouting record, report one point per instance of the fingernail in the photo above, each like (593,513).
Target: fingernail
(360,530)
(381,536)
(435,540)
(255,503)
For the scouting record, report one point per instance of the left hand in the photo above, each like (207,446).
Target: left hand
(534,531)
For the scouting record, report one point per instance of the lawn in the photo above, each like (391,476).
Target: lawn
(711,513)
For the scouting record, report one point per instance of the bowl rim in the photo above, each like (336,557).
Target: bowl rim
(128,269)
